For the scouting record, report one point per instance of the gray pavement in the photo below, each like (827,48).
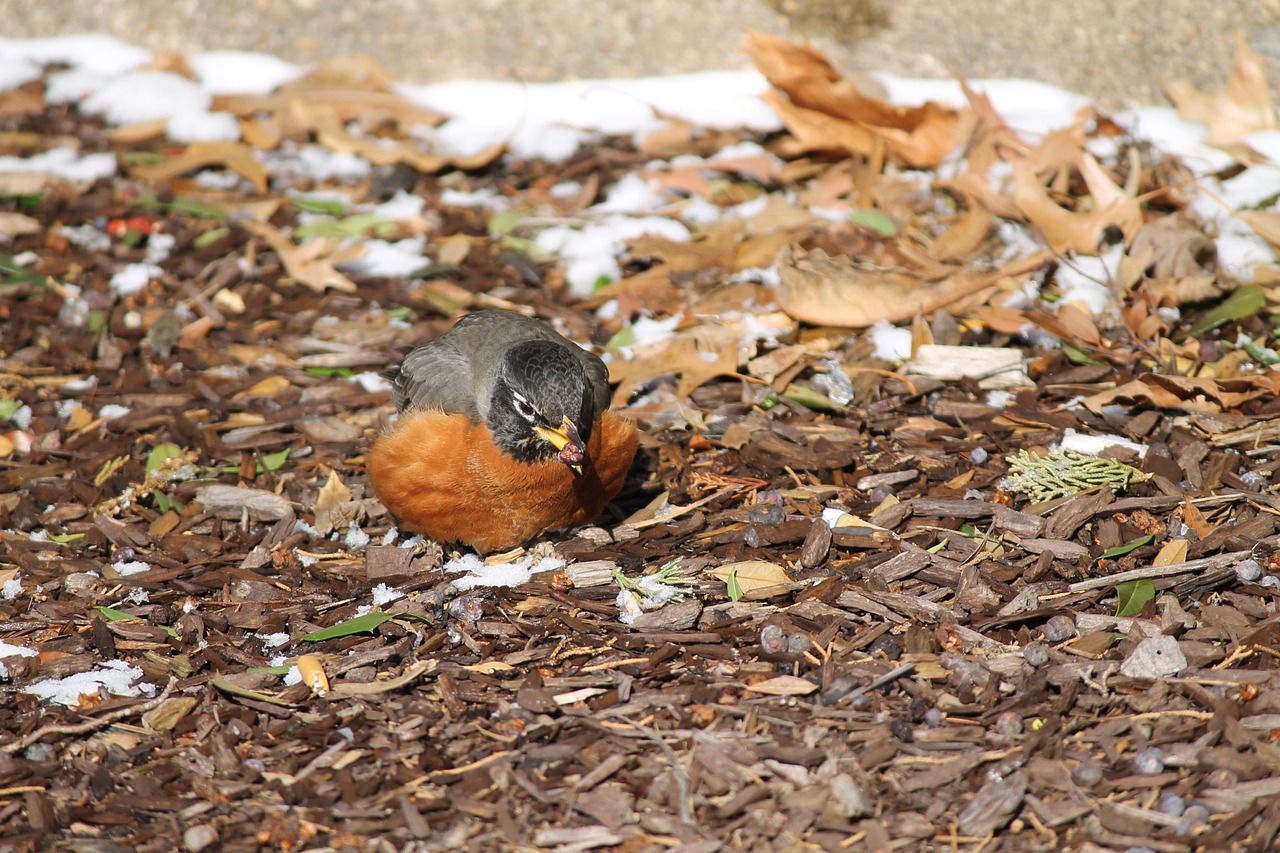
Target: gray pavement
(1117,51)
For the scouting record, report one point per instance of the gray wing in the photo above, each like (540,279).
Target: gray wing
(597,378)
(434,376)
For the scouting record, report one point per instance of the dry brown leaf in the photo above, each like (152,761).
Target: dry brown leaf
(784,685)
(697,354)
(1242,107)
(1065,229)
(312,263)
(235,156)
(825,111)
(13,224)
(837,291)
(1188,393)
(329,499)
(964,234)
(1173,551)
(272,386)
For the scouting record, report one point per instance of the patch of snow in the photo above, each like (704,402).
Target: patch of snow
(124,568)
(240,72)
(114,676)
(112,411)
(383,595)
(891,343)
(133,278)
(500,574)
(590,254)
(272,641)
(371,382)
(384,259)
(1087,280)
(65,163)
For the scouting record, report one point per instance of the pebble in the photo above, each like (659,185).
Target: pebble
(1248,571)
(1086,774)
(1171,804)
(978,455)
(1149,760)
(1036,653)
(1059,628)
(197,838)
(1009,723)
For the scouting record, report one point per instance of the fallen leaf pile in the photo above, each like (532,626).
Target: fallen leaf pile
(1002,578)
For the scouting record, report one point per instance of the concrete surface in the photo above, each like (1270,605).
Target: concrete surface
(1114,50)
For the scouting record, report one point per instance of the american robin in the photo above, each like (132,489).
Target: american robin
(504,433)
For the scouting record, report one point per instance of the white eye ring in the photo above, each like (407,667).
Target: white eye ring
(523,408)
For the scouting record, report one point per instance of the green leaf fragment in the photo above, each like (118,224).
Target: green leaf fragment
(366,624)
(733,588)
(1245,301)
(275,461)
(9,408)
(160,454)
(65,538)
(327,206)
(875,220)
(1128,547)
(1132,596)
(208,238)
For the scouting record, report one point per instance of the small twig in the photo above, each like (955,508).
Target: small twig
(1159,571)
(880,681)
(682,778)
(89,725)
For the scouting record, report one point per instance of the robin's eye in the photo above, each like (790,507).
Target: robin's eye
(526,411)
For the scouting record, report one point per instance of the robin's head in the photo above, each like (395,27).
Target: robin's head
(540,404)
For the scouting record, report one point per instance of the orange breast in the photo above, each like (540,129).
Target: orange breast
(444,477)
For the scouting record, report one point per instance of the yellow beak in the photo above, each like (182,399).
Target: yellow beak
(572,450)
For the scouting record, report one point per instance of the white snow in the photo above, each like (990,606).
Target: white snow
(891,342)
(590,253)
(63,163)
(130,567)
(240,72)
(499,574)
(134,277)
(113,676)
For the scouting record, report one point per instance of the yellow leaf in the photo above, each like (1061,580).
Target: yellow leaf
(1173,551)
(272,386)
(784,685)
(758,579)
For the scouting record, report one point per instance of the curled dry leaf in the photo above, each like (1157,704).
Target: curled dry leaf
(837,291)
(332,495)
(784,685)
(312,263)
(235,156)
(825,111)
(1189,393)
(1064,229)
(1235,111)
(697,354)
(235,502)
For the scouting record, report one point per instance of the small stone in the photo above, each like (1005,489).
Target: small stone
(1149,761)
(887,645)
(934,718)
(1036,653)
(773,640)
(1248,571)
(1154,657)
(1059,628)
(1009,723)
(197,838)
(1171,804)
(1086,774)
(1221,778)
(978,456)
